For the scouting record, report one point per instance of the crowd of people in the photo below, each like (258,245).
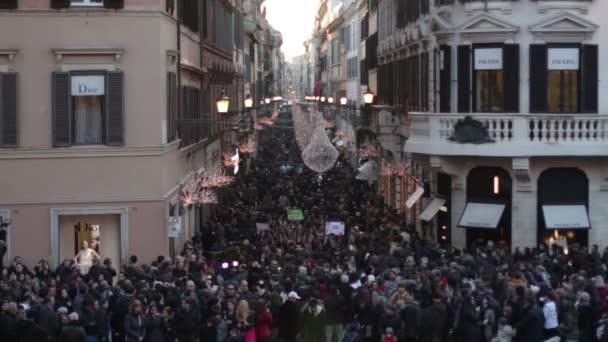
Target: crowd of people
(251,274)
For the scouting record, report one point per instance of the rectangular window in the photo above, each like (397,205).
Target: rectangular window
(92,3)
(489,80)
(563,80)
(88,93)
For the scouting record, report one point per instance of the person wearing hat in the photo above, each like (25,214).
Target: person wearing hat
(72,331)
(289,318)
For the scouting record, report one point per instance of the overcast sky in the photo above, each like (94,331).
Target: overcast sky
(295,20)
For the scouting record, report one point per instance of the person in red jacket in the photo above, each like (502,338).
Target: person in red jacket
(263,322)
(388,336)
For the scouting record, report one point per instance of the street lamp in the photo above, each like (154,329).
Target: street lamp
(368,97)
(267,100)
(343,100)
(222,103)
(330,100)
(322,98)
(248,102)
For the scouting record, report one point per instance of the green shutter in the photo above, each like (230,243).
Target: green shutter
(62,110)
(114,109)
(8,109)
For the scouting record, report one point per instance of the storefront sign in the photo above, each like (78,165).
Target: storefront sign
(334,228)
(563,59)
(175,226)
(88,85)
(488,59)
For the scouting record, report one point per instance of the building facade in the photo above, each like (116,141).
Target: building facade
(103,120)
(507,126)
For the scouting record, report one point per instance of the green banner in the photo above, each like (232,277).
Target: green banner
(295,215)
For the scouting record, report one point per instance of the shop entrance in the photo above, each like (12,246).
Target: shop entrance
(563,206)
(488,210)
(100,232)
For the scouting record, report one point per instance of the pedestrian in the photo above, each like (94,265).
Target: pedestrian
(135,325)
(72,331)
(314,321)
(289,318)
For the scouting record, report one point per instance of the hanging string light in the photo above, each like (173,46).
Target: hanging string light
(214,179)
(258,127)
(368,151)
(394,169)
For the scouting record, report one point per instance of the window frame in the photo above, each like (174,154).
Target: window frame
(104,107)
(579,78)
(473,76)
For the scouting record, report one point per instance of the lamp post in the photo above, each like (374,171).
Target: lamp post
(222,103)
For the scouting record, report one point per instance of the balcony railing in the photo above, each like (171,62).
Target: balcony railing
(512,134)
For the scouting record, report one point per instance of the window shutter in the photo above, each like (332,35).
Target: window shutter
(171,105)
(511,77)
(114,4)
(114,108)
(589,68)
(8,4)
(445,80)
(8,109)
(464,78)
(59,4)
(538,78)
(62,110)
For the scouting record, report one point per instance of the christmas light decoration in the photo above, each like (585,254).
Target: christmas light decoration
(368,151)
(258,127)
(394,169)
(320,155)
(247,146)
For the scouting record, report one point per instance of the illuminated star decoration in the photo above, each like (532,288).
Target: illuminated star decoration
(247,147)
(236,159)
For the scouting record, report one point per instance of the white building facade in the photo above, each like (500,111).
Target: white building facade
(511,131)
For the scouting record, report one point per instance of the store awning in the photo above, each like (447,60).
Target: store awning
(414,197)
(481,215)
(566,216)
(431,210)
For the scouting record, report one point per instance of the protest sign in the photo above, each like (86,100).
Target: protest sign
(334,228)
(295,215)
(262,227)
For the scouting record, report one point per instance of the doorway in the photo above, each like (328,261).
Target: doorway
(491,185)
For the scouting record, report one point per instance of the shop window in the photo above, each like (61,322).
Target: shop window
(88,93)
(562,80)
(489,80)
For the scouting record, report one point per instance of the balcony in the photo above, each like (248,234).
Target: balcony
(513,135)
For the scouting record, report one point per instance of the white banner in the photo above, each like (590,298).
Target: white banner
(488,59)
(88,85)
(563,59)
(262,227)
(334,228)
(175,226)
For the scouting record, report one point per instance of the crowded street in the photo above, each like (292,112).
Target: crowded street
(254,273)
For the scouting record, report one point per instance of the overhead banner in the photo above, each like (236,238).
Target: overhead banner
(88,85)
(563,59)
(295,215)
(488,59)
(334,228)
(175,226)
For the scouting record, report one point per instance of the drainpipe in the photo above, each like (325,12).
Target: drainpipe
(179,59)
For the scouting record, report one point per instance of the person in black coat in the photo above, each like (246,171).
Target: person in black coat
(468,324)
(47,319)
(72,331)
(586,322)
(156,326)
(289,318)
(135,328)
(186,322)
(530,328)
(8,322)
(434,322)
(411,316)
(29,331)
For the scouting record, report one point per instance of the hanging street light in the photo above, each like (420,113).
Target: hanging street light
(222,103)
(368,97)
(330,99)
(248,102)
(343,100)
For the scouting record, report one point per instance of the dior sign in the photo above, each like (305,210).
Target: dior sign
(563,59)
(488,59)
(88,85)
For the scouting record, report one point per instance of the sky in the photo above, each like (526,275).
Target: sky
(295,19)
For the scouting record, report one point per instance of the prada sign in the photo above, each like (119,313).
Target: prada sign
(88,85)
(563,58)
(488,59)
